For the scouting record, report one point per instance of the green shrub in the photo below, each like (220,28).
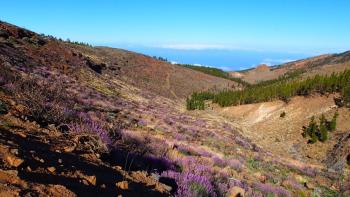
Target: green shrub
(346,95)
(3,108)
(196,100)
(333,122)
(320,132)
(311,130)
(214,72)
(283,114)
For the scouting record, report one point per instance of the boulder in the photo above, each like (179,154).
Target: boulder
(123,185)
(14,161)
(91,180)
(236,192)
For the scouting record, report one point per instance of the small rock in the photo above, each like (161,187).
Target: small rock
(103,186)
(51,127)
(309,185)
(85,182)
(69,149)
(260,177)
(29,169)
(51,169)
(90,179)
(300,179)
(12,172)
(14,161)
(122,185)
(236,192)
(12,103)
(42,160)
(20,108)
(155,176)
(59,160)
(21,134)
(163,188)
(117,167)
(14,151)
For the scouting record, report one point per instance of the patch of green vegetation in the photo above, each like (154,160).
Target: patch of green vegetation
(76,42)
(271,195)
(214,72)
(253,164)
(327,192)
(161,59)
(196,101)
(5,125)
(346,95)
(320,131)
(208,70)
(283,114)
(300,193)
(283,88)
(198,189)
(3,108)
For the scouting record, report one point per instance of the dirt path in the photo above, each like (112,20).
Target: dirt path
(168,81)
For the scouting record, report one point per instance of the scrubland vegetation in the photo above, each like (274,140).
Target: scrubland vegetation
(214,72)
(319,132)
(283,88)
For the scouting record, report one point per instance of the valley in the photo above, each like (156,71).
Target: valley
(78,120)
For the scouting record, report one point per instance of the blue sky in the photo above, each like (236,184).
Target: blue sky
(232,34)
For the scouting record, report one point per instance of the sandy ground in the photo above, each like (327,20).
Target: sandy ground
(263,125)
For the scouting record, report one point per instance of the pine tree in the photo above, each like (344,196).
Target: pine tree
(333,123)
(311,131)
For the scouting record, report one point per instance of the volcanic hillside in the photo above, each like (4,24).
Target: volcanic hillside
(316,65)
(145,72)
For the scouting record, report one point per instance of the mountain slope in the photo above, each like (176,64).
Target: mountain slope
(315,65)
(145,72)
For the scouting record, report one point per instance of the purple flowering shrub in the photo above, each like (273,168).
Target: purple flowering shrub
(190,184)
(235,164)
(89,126)
(45,103)
(159,164)
(219,161)
(224,185)
(272,189)
(293,184)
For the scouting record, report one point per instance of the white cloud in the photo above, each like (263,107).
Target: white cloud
(243,68)
(196,46)
(269,61)
(225,68)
